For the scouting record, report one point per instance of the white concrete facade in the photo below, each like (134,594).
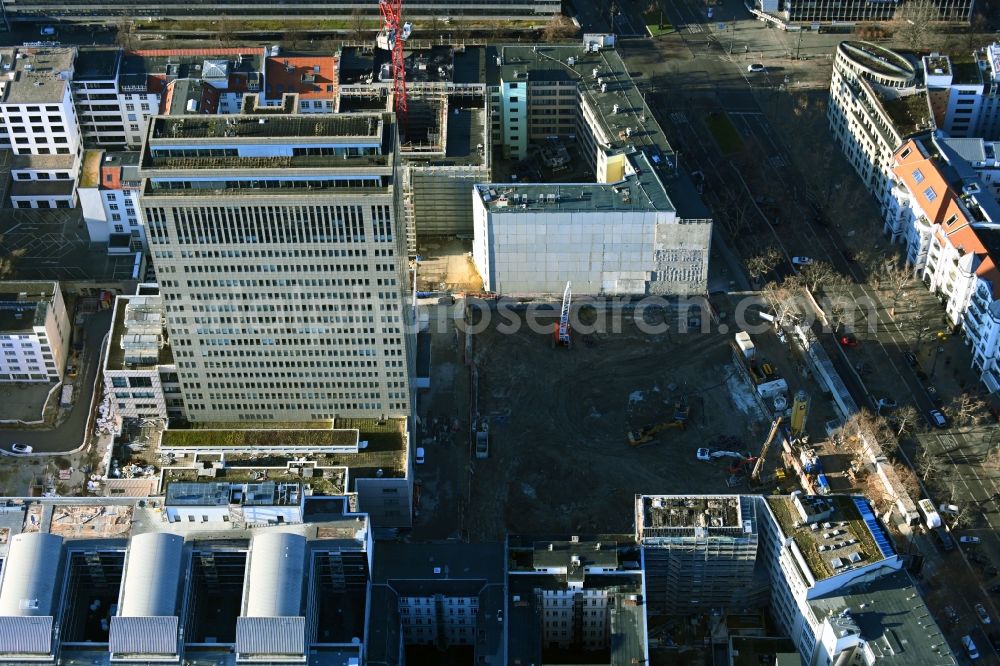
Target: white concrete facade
(863,75)
(34,332)
(139,373)
(39,118)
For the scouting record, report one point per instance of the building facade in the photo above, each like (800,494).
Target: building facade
(109,199)
(139,371)
(699,552)
(40,126)
(852,11)
(875,104)
(275,240)
(34,332)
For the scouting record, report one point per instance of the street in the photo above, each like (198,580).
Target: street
(69,435)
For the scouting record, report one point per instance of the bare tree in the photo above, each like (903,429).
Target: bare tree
(782,298)
(359,24)
(991,462)
(558,29)
(915,22)
(819,274)
(864,430)
(124,31)
(294,37)
(876,492)
(929,467)
(967,410)
(761,264)
(895,277)
(906,420)
(227,27)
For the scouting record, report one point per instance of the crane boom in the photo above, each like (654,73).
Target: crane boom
(394,33)
(759,464)
(562,328)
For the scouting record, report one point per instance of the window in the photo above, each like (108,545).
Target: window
(918,176)
(930,194)
(119,382)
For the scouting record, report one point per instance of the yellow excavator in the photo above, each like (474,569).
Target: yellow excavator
(646,434)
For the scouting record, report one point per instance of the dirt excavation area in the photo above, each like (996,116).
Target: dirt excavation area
(559,458)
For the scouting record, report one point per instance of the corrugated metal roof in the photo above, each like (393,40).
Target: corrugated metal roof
(276,575)
(26,635)
(143,635)
(271,635)
(29,575)
(970,150)
(152,574)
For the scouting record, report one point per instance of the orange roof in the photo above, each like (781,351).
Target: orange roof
(924,180)
(310,77)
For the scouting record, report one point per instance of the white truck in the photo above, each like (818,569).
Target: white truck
(931,517)
(66,399)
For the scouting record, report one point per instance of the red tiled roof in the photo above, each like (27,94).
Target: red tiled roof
(944,210)
(310,77)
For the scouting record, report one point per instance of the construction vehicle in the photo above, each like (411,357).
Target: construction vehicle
(758,468)
(647,433)
(560,332)
(738,466)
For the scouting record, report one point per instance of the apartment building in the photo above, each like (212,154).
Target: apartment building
(634,226)
(281,263)
(965,92)
(432,596)
(40,125)
(96,93)
(580,596)
(698,551)
(852,11)
(139,371)
(312,78)
(210,10)
(109,198)
(137,589)
(876,103)
(947,222)
(34,332)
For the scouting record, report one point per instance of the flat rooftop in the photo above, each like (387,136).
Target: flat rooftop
(688,512)
(572,555)
(894,622)
(222,493)
(612,86)
(36,74)
(240,435)
(637,193)
(844,537)
(271,127)
(151,69)
(97,64)
(23,304)
(138,337)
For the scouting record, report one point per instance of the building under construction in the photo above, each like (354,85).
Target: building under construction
(699,551)
(445,145)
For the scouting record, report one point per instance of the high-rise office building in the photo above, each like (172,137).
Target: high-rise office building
(281,264)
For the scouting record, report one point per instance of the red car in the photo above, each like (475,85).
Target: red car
(848,340)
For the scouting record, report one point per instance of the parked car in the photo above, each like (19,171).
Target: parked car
(419,458)
(47,31)
(950,613)
(755,67)
(848,340)
(969,539)
(970,647)
(911,359)
(887,403)
(938,419)
(709,12)
(799,262)
(984,617)
(21,449)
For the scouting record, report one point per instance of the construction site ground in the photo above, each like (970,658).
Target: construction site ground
(559,460)
(446,265)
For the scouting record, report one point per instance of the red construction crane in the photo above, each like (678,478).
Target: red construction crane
(394,33)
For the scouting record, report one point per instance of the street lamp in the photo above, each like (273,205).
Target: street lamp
(937,352)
